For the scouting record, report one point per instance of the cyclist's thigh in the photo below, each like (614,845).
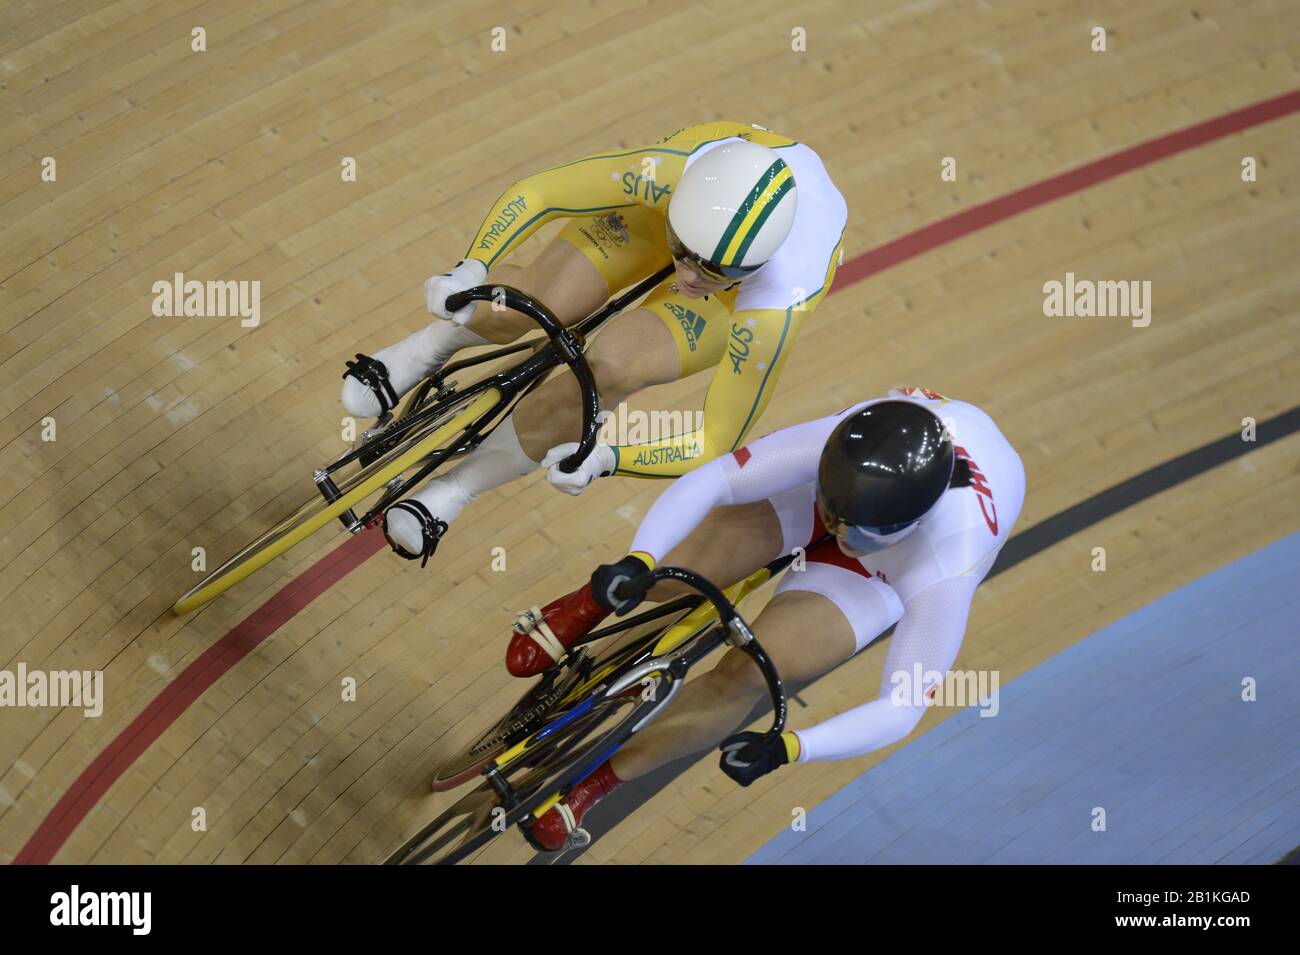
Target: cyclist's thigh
(699,326)
(867,604)
(560,278)
(634,351)
(730,543)
(803,633)
(623,246)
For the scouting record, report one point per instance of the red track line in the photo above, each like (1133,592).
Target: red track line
(1041,193)
(176,697)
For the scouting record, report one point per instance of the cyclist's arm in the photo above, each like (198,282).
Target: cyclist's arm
(773,464)
(599,183)
(743,383)
(602,182)
(929,634)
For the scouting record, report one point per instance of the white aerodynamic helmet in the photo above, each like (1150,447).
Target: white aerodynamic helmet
(731,210)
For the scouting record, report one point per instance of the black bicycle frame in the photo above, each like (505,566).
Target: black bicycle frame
(565,346)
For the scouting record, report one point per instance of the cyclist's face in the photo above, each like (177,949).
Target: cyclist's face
(695,284)
(857,542)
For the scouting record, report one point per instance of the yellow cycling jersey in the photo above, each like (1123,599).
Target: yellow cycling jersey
(604,182)
(618,201)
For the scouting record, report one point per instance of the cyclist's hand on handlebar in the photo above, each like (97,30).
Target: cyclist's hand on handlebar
(608,578)
(600,463)
(747,756)
(467,274)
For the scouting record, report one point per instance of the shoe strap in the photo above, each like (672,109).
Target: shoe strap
(431,531)
(373,373)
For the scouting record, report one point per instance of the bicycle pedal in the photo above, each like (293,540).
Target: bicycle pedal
(578,839)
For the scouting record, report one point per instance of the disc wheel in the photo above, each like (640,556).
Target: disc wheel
(555,689)
(524,717)
(364,482)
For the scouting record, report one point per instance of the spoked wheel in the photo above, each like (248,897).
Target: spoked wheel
(531,779)
(427,438)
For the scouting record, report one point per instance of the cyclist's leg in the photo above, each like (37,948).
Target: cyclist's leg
(573,275)
(805,632)
(561,277)
(588,260)
(735,540)
(728,545)
(668,337)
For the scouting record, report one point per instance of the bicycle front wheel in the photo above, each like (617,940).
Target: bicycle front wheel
(318,512)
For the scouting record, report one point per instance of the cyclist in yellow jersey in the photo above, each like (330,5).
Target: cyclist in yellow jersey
(753,225)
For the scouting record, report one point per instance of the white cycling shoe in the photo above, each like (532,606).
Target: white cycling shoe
(415,525)
(372,386)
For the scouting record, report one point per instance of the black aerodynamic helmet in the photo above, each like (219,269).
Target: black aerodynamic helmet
(881,471)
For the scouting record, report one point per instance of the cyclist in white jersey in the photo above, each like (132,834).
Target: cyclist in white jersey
(907,549)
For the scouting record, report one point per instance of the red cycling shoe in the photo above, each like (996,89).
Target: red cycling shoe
(542,636)
(552,831)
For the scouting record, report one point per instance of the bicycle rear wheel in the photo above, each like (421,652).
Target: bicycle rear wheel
(318,512)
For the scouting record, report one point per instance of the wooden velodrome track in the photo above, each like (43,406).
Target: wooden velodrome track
(174,433)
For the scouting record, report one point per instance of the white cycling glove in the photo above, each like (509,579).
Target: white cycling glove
(600,463)
(467,274)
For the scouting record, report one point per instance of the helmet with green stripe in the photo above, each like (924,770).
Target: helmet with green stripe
(731,210)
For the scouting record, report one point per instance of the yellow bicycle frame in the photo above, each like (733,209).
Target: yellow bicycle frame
(220,583)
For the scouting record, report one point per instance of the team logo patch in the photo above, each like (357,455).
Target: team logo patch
(692,323)
(606,233)
(613,227)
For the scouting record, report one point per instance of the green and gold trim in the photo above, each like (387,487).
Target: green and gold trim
(745,225)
